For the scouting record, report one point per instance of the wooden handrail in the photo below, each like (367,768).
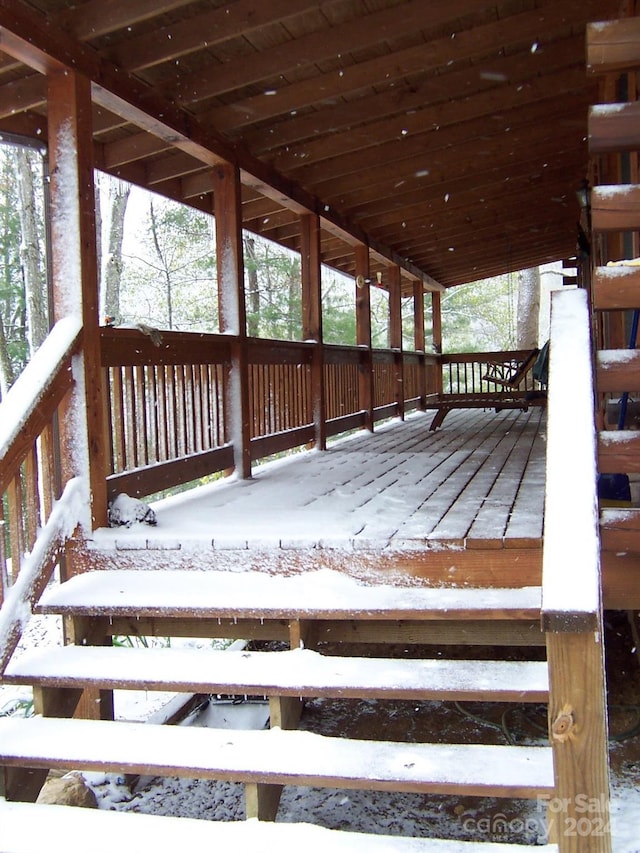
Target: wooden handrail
(38,567)
(571,589)
(571,561)
(36,394)
(37,533)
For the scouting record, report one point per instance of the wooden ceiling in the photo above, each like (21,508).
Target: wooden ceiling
(450,135)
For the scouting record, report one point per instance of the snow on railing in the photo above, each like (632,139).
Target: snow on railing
(27,445)
(36,379)
(571,589)
(37,568)
(571,559)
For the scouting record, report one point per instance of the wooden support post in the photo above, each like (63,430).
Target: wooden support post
(233,320)
(395,335)
(419,341)
(262,801)
(93,704)
(363,334)
(75,276)
(21,783)
(579,813)
(56,701)
(436,318)
(311,273)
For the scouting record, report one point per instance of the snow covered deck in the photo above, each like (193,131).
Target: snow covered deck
(464,505)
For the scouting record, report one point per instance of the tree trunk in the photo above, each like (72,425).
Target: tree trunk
(253,290)
(119,195)
(528,308)
(37,325)
(7,376)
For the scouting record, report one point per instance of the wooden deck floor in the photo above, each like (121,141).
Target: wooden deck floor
(473,490)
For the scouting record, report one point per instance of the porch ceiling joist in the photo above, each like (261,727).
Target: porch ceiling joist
(24,37)
(368,114)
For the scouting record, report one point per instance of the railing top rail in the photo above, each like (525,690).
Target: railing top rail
(26,394)
(494,357)
(571,591)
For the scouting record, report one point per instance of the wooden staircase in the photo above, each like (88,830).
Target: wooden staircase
(266,760)
(614,140)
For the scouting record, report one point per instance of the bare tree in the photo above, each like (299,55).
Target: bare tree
(7,373)
(30,252)
(119,196)
(253,288)
(528,308)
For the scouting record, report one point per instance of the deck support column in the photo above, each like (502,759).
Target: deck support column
(233,318)
(395,336)
(419,342)
(436,314)
(311,274)
(366,392)
(75,278)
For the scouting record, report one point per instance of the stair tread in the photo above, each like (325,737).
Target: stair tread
(321,594)
(51,827)
(288,673)
(276,756)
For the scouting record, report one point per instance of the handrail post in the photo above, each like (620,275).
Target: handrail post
(571,590)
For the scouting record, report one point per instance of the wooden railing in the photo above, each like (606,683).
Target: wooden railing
(571,589)
(37,520)
(479,372)
(166,418)
(280,396)
(166,400)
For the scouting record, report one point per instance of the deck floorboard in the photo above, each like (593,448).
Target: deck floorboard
(478,480)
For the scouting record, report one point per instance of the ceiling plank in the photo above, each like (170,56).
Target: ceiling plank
(328,43)
(480,42)
(176,40)
(97,17)
(435,97)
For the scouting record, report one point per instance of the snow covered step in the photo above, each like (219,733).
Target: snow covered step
(615,207)
(293,673)
(616,287)
(276,756)
(28,828)
(619,452)
(618,370)
(620,529)
(323,594)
